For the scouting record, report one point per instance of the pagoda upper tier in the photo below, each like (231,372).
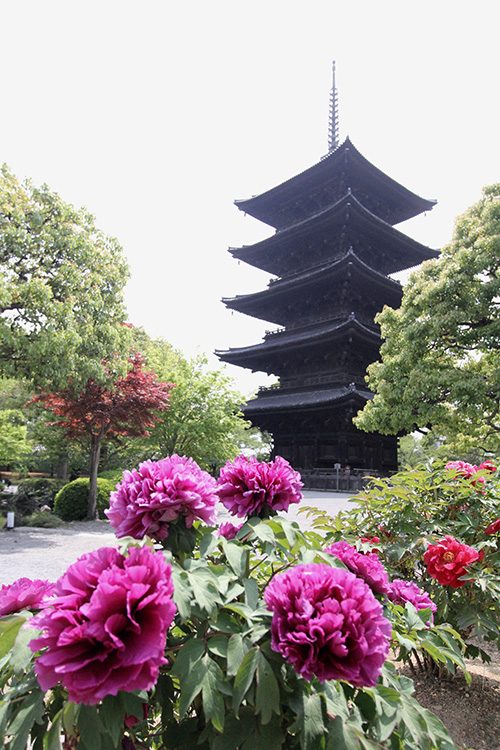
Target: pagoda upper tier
(327,182)
(330,291)
(328,234)
(333,347)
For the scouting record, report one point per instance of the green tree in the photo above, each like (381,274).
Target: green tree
(61,289)
(14,447)
(204,419)
(440,360)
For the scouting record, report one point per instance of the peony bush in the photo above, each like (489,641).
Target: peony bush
(196,632)
(437,529)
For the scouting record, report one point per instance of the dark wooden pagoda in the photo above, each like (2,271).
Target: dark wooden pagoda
(332,254)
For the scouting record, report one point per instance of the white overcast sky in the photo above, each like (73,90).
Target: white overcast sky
(155,115)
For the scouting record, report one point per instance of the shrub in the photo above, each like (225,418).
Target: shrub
(437,526)
(40,520)
(72,500)
(35,492)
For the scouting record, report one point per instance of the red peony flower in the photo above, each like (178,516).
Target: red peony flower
(487,466)
(446,561)
(150,499)
(371,540)
(23,594)
(493,528)
(368,567)
(247,487)
(327,623)
(105,629)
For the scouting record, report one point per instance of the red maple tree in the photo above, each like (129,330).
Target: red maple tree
(129,408)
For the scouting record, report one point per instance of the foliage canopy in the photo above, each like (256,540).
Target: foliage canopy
(61,287)
(440,363)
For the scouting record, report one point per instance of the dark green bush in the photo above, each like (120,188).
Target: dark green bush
(34,493)
(72,500)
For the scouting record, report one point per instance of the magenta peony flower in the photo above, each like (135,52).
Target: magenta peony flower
(368,567)
(229,530)
(327,623)
(105,628)
(150,499)
(23,594)
(446,561)
(247,487)
(401,591)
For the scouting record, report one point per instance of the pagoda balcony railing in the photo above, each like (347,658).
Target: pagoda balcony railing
(304,383)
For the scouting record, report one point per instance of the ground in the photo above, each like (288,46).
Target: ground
(471,713)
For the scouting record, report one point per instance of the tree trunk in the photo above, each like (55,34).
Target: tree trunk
(95,452)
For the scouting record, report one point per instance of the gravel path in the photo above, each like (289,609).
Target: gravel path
(47,553)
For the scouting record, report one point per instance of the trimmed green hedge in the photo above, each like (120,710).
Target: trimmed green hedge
(72,500)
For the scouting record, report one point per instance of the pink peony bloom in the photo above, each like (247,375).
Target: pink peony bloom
(327,623)
(447,560)
(105,629)
(493,528)
(247,487)
(23,594)
(368,567)
(462,468)
(229,530)
(150,499)
(401,591)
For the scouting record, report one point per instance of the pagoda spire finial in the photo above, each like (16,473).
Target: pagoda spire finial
(333,120)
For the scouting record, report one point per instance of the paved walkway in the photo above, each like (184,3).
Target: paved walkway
(47,553)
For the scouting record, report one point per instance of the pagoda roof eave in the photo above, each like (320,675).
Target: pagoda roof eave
(253,303)
(348,208)
(267,206)
(306,400)
(291,341)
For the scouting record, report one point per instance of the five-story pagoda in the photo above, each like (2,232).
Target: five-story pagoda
(332,254)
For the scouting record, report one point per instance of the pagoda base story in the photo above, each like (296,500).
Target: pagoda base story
(321,441)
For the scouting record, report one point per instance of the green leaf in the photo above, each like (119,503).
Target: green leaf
(236,650)
(213,703)
(313,722)
(31,711)
(22,655)
(90,727)
(263,532)
(218,645)
(113,715)
(244,677)
(341,736)
(236,730)
(237,556)
(9,628)
(182,592)
(252,593)
(187,656)
(267,698)
(52,740)
(191,685)
(204,590)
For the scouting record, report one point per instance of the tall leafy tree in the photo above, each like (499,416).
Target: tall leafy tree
(204,419)
(129,408)
(61,289)
(440,361)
